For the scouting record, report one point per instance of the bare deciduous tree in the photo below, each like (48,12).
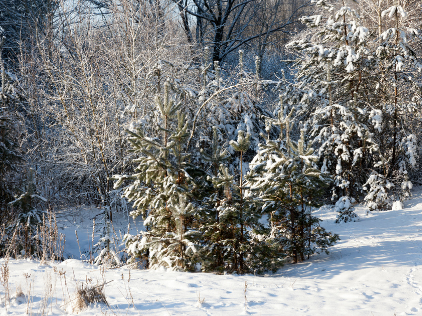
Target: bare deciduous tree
(85,85)
(228,25)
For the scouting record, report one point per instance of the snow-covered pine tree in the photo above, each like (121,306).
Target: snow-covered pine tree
(379,69)
(377,198)
(28,218)
(234,239)
(161,190)
(221,248)
(284,175)
(337,76)
(399,97)
(105,249)
(245,213)
(213,228)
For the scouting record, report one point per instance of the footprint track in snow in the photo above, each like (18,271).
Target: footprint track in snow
(411,281)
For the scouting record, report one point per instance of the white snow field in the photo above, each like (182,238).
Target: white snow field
(376,269)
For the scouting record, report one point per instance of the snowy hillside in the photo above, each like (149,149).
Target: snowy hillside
(375,269)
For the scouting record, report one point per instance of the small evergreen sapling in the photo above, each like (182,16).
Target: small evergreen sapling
(284,175)
(213,227)
(106,255)
(378,187)
(234,240)
(161,191)
(344,208)
(241,145)
(29,217)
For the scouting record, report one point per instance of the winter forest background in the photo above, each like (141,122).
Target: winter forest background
(223,124)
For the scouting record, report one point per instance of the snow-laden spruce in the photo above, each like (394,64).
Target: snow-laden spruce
(285,177)
(355,92)
(161,190)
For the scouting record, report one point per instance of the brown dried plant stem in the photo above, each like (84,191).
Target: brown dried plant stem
(5,281)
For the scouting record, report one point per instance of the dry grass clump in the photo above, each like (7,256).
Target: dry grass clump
(20,297)
(86,295)
(4,279)
(19,292)
(33,234)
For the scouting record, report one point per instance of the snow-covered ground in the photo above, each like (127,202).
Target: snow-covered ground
(376,269)
(77,223)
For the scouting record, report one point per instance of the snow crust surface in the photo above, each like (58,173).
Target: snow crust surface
(376,269)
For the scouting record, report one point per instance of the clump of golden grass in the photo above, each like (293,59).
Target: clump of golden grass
(5,281)
(86,295)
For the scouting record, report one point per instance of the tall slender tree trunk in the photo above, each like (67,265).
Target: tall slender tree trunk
(241,211)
